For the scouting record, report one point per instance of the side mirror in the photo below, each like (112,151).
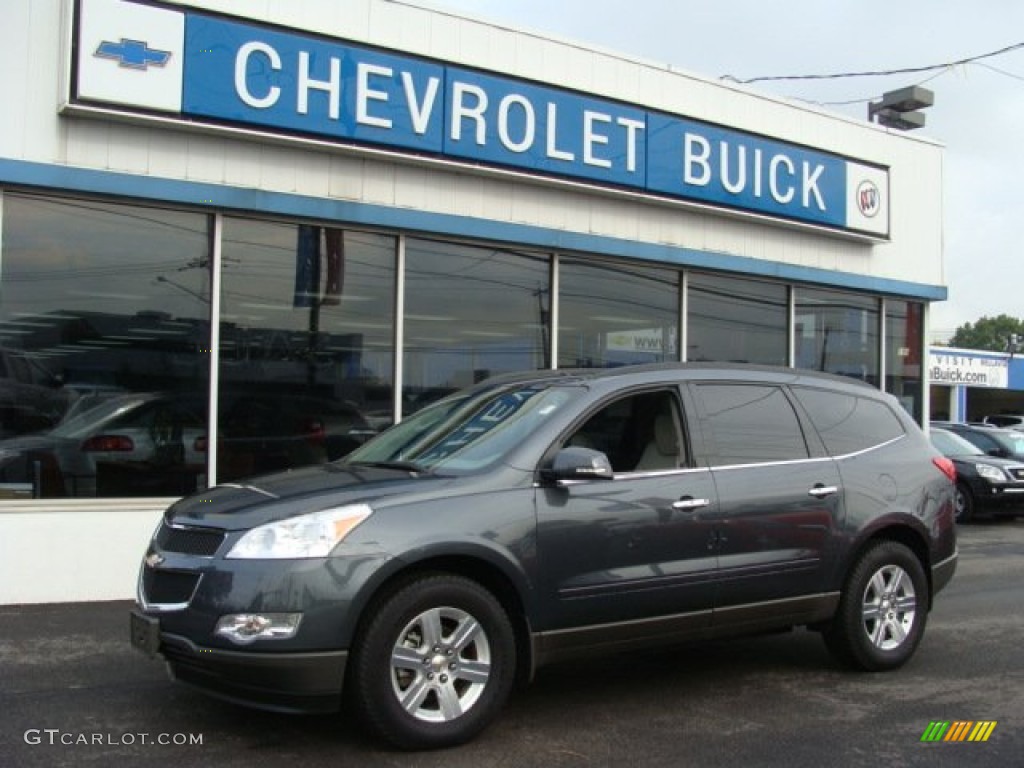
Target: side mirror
(576,463)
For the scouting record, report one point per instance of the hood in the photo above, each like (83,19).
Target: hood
(258,500)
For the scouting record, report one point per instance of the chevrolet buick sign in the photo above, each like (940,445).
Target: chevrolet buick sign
(216,71)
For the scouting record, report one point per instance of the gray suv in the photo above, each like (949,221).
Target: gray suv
(540,516)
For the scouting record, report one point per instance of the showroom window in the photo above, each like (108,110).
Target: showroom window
(904,334)
(470,313)
(614,314)
(104,342)
(837,332)
(307,344)
(730,319)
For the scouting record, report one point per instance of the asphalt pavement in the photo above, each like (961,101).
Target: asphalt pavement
(73,692)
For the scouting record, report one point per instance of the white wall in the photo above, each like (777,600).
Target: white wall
(64,552)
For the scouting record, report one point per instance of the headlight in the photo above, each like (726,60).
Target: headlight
(312,535)
(990,473)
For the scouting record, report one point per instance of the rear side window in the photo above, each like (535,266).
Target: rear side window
(848,423)
(749,424)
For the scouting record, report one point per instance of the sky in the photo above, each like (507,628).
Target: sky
(978,113)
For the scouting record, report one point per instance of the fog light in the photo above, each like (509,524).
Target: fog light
(244,628)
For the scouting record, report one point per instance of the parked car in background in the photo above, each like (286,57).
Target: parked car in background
(157,443)
(544,515)
(135,444)
(992,440)
(32,398)
(985,484)
(264,432)
(1007,420)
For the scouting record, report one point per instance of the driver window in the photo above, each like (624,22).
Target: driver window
(638,433)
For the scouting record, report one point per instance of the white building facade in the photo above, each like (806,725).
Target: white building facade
(233,244)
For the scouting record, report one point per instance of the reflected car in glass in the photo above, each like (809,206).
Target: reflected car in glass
(136,444)
(542,516)
(985,484)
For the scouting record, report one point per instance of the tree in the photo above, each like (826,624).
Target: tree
(991,333)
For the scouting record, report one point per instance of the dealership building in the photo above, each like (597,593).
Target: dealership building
(238,244)
(969,384)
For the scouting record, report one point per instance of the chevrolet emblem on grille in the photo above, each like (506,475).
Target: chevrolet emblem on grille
(154,560)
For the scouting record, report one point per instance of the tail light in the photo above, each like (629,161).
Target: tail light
(108,444)
(946,466)
(315,432)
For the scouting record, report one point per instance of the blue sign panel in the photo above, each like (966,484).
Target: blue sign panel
(724,167)
(509,122)
(257,76)
(299,84)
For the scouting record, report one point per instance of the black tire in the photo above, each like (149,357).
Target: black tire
(453,686)
(963,504)
(883,609)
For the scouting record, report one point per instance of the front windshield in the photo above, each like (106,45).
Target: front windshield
(953,445)
(1012,441)
(91,419)
(466,431)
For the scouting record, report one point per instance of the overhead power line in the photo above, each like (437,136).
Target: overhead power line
(878,72)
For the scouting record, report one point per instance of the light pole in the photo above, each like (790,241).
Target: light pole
(899,109)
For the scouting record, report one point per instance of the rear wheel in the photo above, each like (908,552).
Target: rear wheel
(435,664)
(882,611)
(964,503)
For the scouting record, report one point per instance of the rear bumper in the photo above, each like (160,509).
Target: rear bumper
(942,572)
(281,682)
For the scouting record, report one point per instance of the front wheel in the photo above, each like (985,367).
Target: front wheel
(882,611)
(435,664)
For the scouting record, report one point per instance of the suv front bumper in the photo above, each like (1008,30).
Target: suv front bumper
(306,682)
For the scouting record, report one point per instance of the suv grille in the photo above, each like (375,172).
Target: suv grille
(1017,473)
(168,587)
(189,541)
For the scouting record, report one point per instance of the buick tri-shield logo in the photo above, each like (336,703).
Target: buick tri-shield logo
(869,199)
(133,54)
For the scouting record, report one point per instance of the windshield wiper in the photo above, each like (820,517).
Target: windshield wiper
(410,466)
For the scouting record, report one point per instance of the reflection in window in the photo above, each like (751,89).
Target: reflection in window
(104,324)
(307,353)
(616,314)
(847,423)
(470,313)
(837,332)
(731,319)
(750,424)
(904,332)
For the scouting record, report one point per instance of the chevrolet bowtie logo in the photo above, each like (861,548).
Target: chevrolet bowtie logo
(132,53)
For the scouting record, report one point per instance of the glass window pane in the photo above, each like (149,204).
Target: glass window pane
(104,332)
(748,424)
(616,314)
(904,331)
(730,319)
(470,313)
(837,332)
(846,423)
(307,351)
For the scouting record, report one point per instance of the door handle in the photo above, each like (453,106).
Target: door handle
(821,491)
(688,503)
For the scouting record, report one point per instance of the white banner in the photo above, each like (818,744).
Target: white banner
(960,369)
